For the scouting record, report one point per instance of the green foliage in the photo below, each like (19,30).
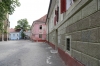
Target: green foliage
(22,24)
(22,35)
(7,6)
(1,25)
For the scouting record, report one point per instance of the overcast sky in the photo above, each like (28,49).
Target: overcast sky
(30,9)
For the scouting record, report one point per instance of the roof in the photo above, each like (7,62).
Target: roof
(42,19)
(13,30)
(48,9)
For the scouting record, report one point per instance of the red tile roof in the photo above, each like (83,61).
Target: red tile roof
(12,30)
(42,19)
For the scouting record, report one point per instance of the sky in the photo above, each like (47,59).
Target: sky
(29,9)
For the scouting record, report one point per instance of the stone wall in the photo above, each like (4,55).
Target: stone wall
(84,28)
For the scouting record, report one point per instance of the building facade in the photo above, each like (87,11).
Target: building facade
(73,28)
(14,34)
(6,24)
(38,30)
(27,34)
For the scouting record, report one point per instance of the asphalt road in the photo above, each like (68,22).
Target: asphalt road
(27,53)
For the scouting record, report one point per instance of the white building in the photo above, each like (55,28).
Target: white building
(27,33)
(14,35)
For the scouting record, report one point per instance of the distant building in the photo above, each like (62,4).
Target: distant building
(27,34)
(14,34)
(6,24)
(38,30)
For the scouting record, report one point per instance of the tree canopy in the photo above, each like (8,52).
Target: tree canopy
(7,7)
(22,24)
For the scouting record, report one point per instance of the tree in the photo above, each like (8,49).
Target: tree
(7,6)
(23,25)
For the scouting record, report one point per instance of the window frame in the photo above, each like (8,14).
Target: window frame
(40,35)
(13,34)
(40,27)
(71,2)
(68,51)
(63,5)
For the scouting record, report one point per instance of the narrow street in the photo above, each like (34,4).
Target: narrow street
(27,53)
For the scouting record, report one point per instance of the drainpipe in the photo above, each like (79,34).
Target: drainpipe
(48,30)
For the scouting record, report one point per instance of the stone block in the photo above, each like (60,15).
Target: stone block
(64,30)
(99,62)
(85,36)
(93,62)
(67,29)
(77,16)
(63,36)
(76,36)
(99,34)
(82,47)
(83,24)
(89,9)
(74,45)
(63,42)
(72,27)
(94,50)
(93,35)
(69,22)
(77,55)
(84,59)
(99,4)
(77,7)
(95,20)
(89,61)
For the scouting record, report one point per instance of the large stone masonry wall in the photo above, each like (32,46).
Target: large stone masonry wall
(84,29)
(52,37)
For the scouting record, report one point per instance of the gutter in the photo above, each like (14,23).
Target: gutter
(48,18)
(48,9)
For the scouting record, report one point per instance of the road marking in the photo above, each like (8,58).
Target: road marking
(53,51)
(48,60)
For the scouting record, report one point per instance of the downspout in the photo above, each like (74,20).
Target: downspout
(48,30)
(48,18)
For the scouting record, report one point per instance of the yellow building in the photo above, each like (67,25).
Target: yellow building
(6,25)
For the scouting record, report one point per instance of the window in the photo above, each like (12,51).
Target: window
(13,34)
(65,4)
(57,14)
(40,35)
(40,26)
(68,44)
(68,3)
(56,18)
(17,34)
